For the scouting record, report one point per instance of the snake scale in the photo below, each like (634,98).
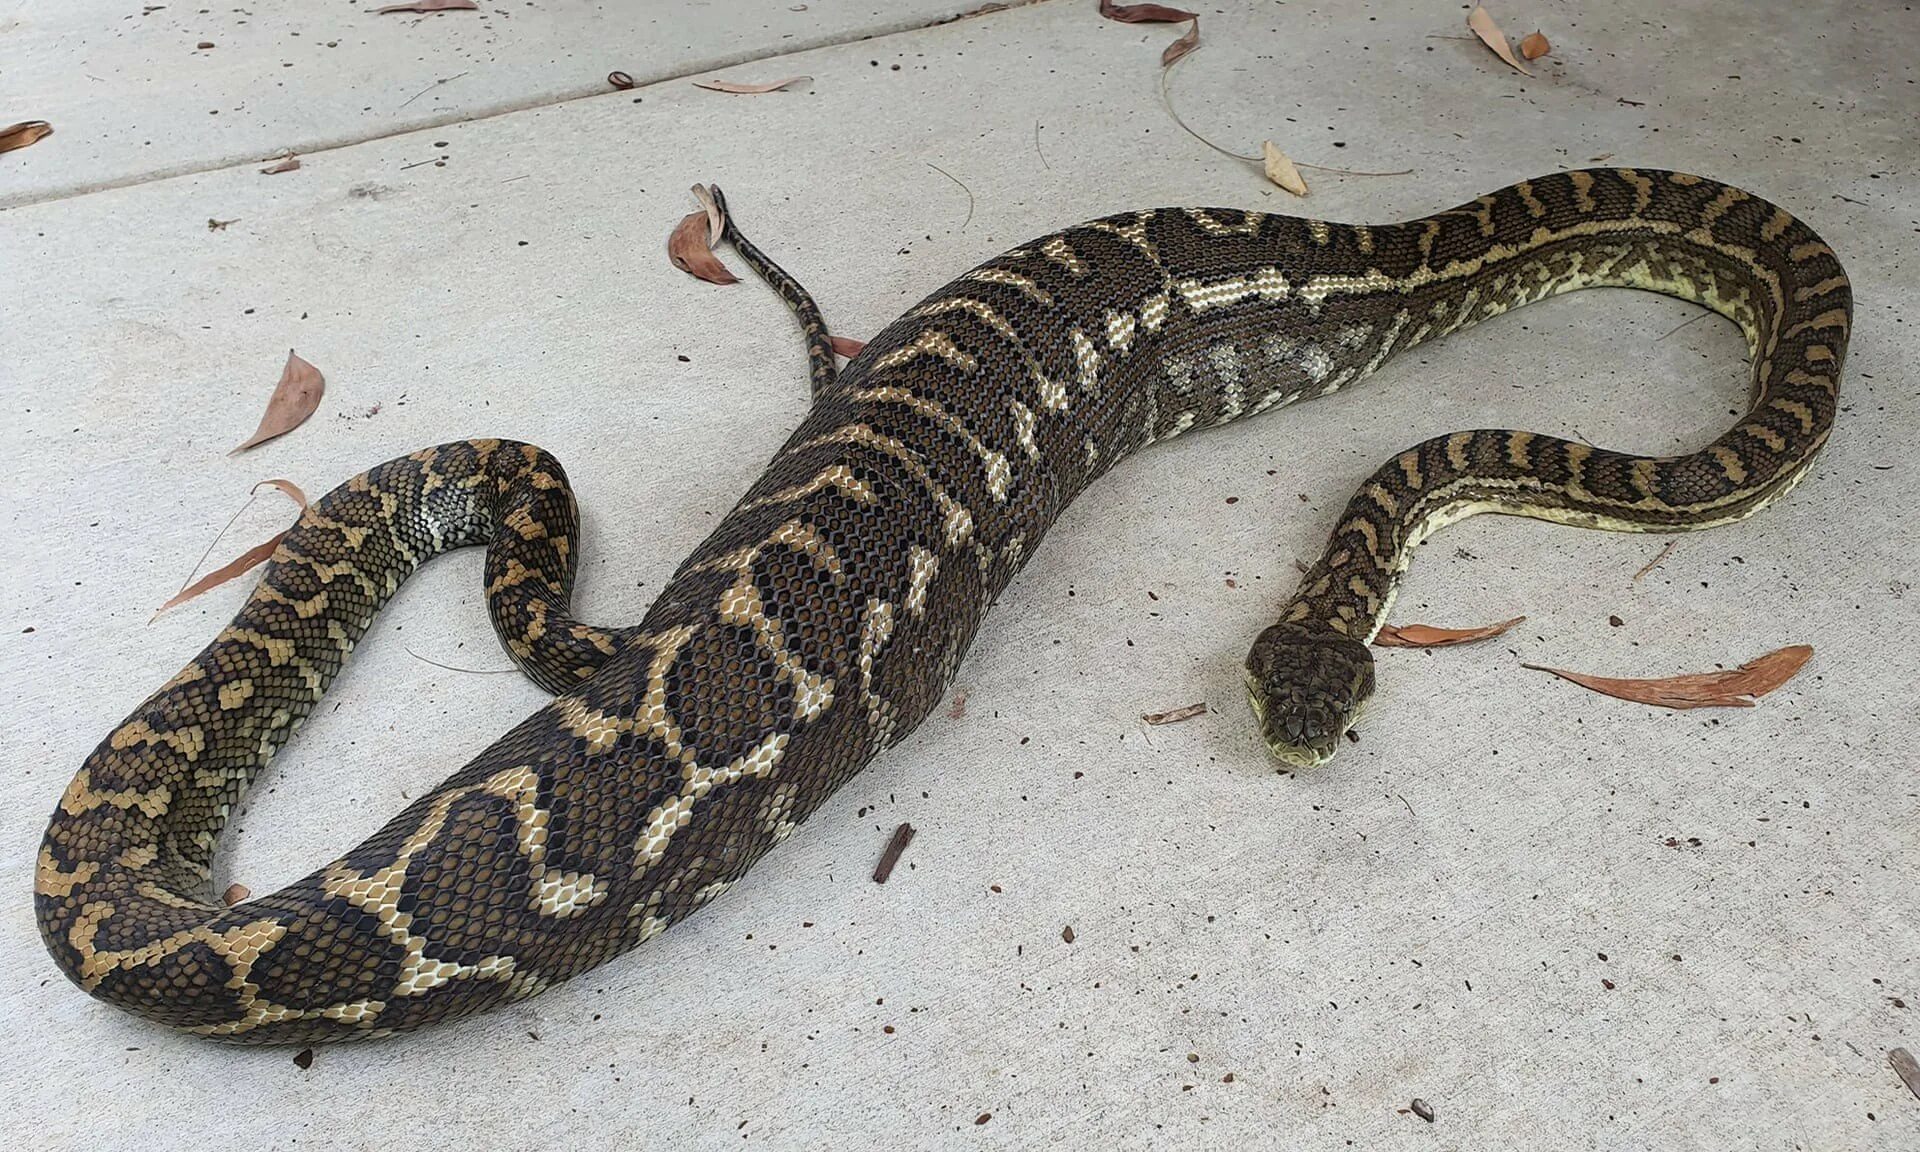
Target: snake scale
(823,618)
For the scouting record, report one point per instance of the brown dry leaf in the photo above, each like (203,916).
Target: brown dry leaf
(692,252)
(1279,168)
(1490,35)
(1907,1068)
(293,400)
(1534,45)
(1157,14)
(1177,715)
(1182,46)
(620,80)
(846,347)
(1734,688)
(1144,13)
(429,6)
(1427,636)
(234,894)
(24,133)
(284,164)
(747,89)
(241,563)
(716,220)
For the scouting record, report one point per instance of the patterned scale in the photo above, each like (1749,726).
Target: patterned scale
(825,616)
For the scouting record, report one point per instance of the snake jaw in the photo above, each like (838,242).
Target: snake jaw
(1307,687)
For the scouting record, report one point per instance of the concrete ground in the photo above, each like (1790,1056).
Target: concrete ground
(1566,921)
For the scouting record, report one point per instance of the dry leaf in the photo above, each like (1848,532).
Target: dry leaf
(1182,46)
(1534,46)
(241,563)
(620,80)
(1427,636)
(692,253)
(1905,1067)
(1490,35)
(293,400)
(1144,13)
(285,164)
(1280,169)
(1157,14)
(220,225)
(1177,715)
(846,347)
(1735,688)
(430,6)
(747,89)
(234,894)
(24,133)
(716,220)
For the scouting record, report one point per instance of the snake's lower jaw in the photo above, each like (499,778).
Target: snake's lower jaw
(1307,687)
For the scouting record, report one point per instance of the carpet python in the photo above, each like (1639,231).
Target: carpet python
(824,617)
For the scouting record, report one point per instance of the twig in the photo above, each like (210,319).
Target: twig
(1695,320)
(1410,810)
(891,856)
(963,188)
(417,163)
(432,86)
(1166,97)
(469,671)
(1036,147)
(1655,562)
(1350,171)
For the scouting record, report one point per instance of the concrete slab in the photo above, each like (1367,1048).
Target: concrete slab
(1438,913)
(140,91)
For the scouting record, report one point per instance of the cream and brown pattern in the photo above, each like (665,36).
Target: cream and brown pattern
(824,617)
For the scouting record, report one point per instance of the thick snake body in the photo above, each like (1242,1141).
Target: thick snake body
(824,617)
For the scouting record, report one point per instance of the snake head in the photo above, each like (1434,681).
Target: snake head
(1307,686)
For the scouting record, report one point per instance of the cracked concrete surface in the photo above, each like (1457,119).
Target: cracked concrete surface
(1565,921)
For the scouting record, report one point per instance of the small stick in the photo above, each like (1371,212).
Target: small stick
(901,836)
(468,671)
(432,86)
(1655,562)
(963,188)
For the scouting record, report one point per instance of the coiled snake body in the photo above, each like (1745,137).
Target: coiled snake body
(824,617)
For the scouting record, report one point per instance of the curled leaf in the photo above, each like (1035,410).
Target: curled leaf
(747,89)
(287,163)
(241,563)
(690,244)
(1280,169)
(620,80)
(235,894)
(1427,636)
(1144,13)
(1534,45)
(716,219)
(1177,715)
(845,346)
(1490,35)
(1730,688)
(429,6)
(293,400)
(24,133)
(1182,46)
(1157,14)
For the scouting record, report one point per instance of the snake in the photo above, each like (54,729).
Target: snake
(826,615)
